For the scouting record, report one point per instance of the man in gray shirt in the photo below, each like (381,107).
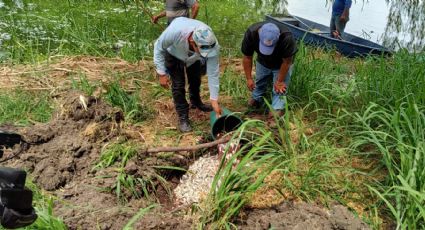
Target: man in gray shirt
(178,8)
(179,50)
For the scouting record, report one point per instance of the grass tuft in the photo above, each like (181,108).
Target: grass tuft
(23,108)
(116,153)
(130,103)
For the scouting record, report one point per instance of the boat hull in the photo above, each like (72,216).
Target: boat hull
(319,35)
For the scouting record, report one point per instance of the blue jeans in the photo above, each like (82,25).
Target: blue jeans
(263,78)
(336,24)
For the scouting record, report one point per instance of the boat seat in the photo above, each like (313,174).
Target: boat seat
(291,21)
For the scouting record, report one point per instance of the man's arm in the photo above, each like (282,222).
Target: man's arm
(247,68)
(346,13)
(164,41)
(280,86)
(213,72)
(247,49)
(195,9)
(159,61)
(155,18)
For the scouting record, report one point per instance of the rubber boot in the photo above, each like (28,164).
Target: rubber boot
(196,102)
(184,123)
(194,79)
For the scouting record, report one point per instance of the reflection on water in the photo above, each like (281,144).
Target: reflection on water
(361,16)
(389,22)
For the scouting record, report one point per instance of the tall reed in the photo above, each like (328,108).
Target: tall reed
(398,136)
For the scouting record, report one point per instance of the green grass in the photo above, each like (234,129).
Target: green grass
(83,84)
(378,112)
(232,187)
(140,186)
(106,28)
(129,186)
(391,82)
(312,169)
(234,85)
(22,108)
(102,28)
(130,103)
(398,136)
(370,108)
(116,153)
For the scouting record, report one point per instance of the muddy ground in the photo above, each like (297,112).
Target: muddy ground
(294,215)
(62,153)
(61,156)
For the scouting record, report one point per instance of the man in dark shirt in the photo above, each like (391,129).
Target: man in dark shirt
(275,47)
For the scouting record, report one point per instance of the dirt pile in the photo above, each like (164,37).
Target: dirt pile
(61,155)
(164,221)
(65,148)
(302,216)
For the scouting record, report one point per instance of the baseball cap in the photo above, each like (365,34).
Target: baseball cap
(269,35)
(206,41)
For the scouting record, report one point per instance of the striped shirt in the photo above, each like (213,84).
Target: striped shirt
(178,8)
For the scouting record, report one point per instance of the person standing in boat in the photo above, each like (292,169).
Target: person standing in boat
(178,8)
(340,17)
(275,47)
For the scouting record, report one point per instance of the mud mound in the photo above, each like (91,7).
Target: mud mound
(61,155)
(67,146)
(85,206)
(159,175)
(163,221)
(302,216)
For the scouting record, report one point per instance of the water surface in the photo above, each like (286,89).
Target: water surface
(367,19)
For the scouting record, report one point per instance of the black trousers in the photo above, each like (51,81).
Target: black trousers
(176,69)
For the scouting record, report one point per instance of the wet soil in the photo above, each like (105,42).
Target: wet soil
(301,216)
(61,154)
(65,148)
(164,221)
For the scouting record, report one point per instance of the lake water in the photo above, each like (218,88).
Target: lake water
(367,19)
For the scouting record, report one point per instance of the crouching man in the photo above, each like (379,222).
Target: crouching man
(180,49)
(275,48)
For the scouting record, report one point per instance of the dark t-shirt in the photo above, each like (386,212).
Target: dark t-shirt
(285,47)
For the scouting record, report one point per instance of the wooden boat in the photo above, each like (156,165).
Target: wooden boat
(319,35)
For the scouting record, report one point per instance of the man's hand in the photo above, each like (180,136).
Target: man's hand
(279,87)
(216,108)
(343,19)
(154,19)
(250,84)
(344,15)
(164,81)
